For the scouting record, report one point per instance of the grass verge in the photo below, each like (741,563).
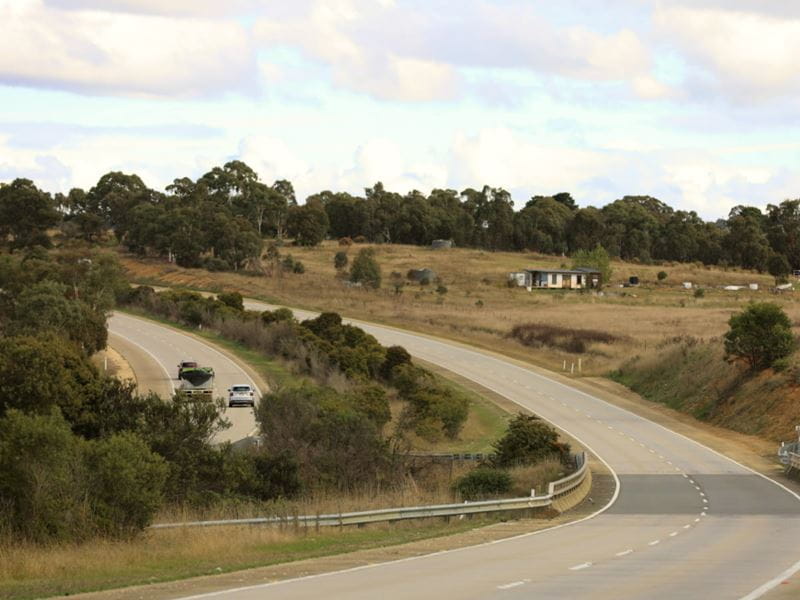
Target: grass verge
(28,572)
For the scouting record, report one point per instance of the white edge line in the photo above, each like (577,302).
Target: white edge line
(193,339)
(146,351)
(454,550)
(757,593)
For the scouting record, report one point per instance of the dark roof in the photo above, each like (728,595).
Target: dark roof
(578,271)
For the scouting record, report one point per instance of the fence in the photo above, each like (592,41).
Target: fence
(555,490)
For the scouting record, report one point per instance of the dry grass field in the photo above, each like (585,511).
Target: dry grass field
(479,308)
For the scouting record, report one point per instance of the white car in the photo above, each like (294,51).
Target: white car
(241,394)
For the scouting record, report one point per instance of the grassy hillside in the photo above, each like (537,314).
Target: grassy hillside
(478,307)
(691,376)
(660,337)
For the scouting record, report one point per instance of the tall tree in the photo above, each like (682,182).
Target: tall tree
(26,213)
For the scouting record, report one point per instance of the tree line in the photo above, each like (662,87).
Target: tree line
(219,221)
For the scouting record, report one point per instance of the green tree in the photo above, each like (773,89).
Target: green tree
(365,269)
(307,224)
(26,213)
(38,373)
(595,259)
(778,267)
(528,440)
(42,478)
(761,334)
(126,484)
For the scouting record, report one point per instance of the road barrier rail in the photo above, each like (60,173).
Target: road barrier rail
(555,490)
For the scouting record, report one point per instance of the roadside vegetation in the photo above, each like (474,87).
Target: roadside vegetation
(747,380)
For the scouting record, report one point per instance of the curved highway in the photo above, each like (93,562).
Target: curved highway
(687,521)
(167,347)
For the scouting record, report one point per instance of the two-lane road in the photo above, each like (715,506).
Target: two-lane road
(687,523)
(167,347)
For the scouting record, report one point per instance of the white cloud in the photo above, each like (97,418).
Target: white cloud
(748,54)
(499,157)
(122,54)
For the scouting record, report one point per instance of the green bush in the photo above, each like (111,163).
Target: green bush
(662,275)
(298,268)
(761,334)
(528,440)
(232,299)
(483,482)
(42,479)
(365,269)
(699,293)
(126,484)
(216,264)
(340,260)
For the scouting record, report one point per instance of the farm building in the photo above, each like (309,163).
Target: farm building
(562,279)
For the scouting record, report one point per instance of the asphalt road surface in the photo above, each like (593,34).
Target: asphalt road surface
(156,351)
(687,522)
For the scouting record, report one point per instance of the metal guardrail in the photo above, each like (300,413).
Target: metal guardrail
(555,490)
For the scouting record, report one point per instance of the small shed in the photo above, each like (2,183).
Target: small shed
(441,244)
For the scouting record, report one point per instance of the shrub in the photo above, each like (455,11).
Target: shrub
(760,335)
(699,293)
(345,241)
(359,239)
(340,260)
(274,316)
(662,275)
(126,484)
(214,263)
(365,269)
(42,484)
(441,289)
(395,356)
(483,482)
(287,264)
(371,400)
(565,338)
(528,440)
(298,268)
(232,299)
(277,476)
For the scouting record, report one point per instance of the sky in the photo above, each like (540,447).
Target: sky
(695,102)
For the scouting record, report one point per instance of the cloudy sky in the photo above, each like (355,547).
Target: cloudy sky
(696,102)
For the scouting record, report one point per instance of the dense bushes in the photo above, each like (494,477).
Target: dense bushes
(56,486)
(563,338)
(483,482)
(528,440)
(328,350)
(335,442)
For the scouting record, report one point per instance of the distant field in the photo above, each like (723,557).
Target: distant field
(478,307)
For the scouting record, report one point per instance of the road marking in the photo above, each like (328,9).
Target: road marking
(687,526)
(701,493)
(654,542)
(705,500)
(703,514)
(673,534)
(625,552)
(508,586)
(685,475)
(697,520)
(652,451)
(585,565)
